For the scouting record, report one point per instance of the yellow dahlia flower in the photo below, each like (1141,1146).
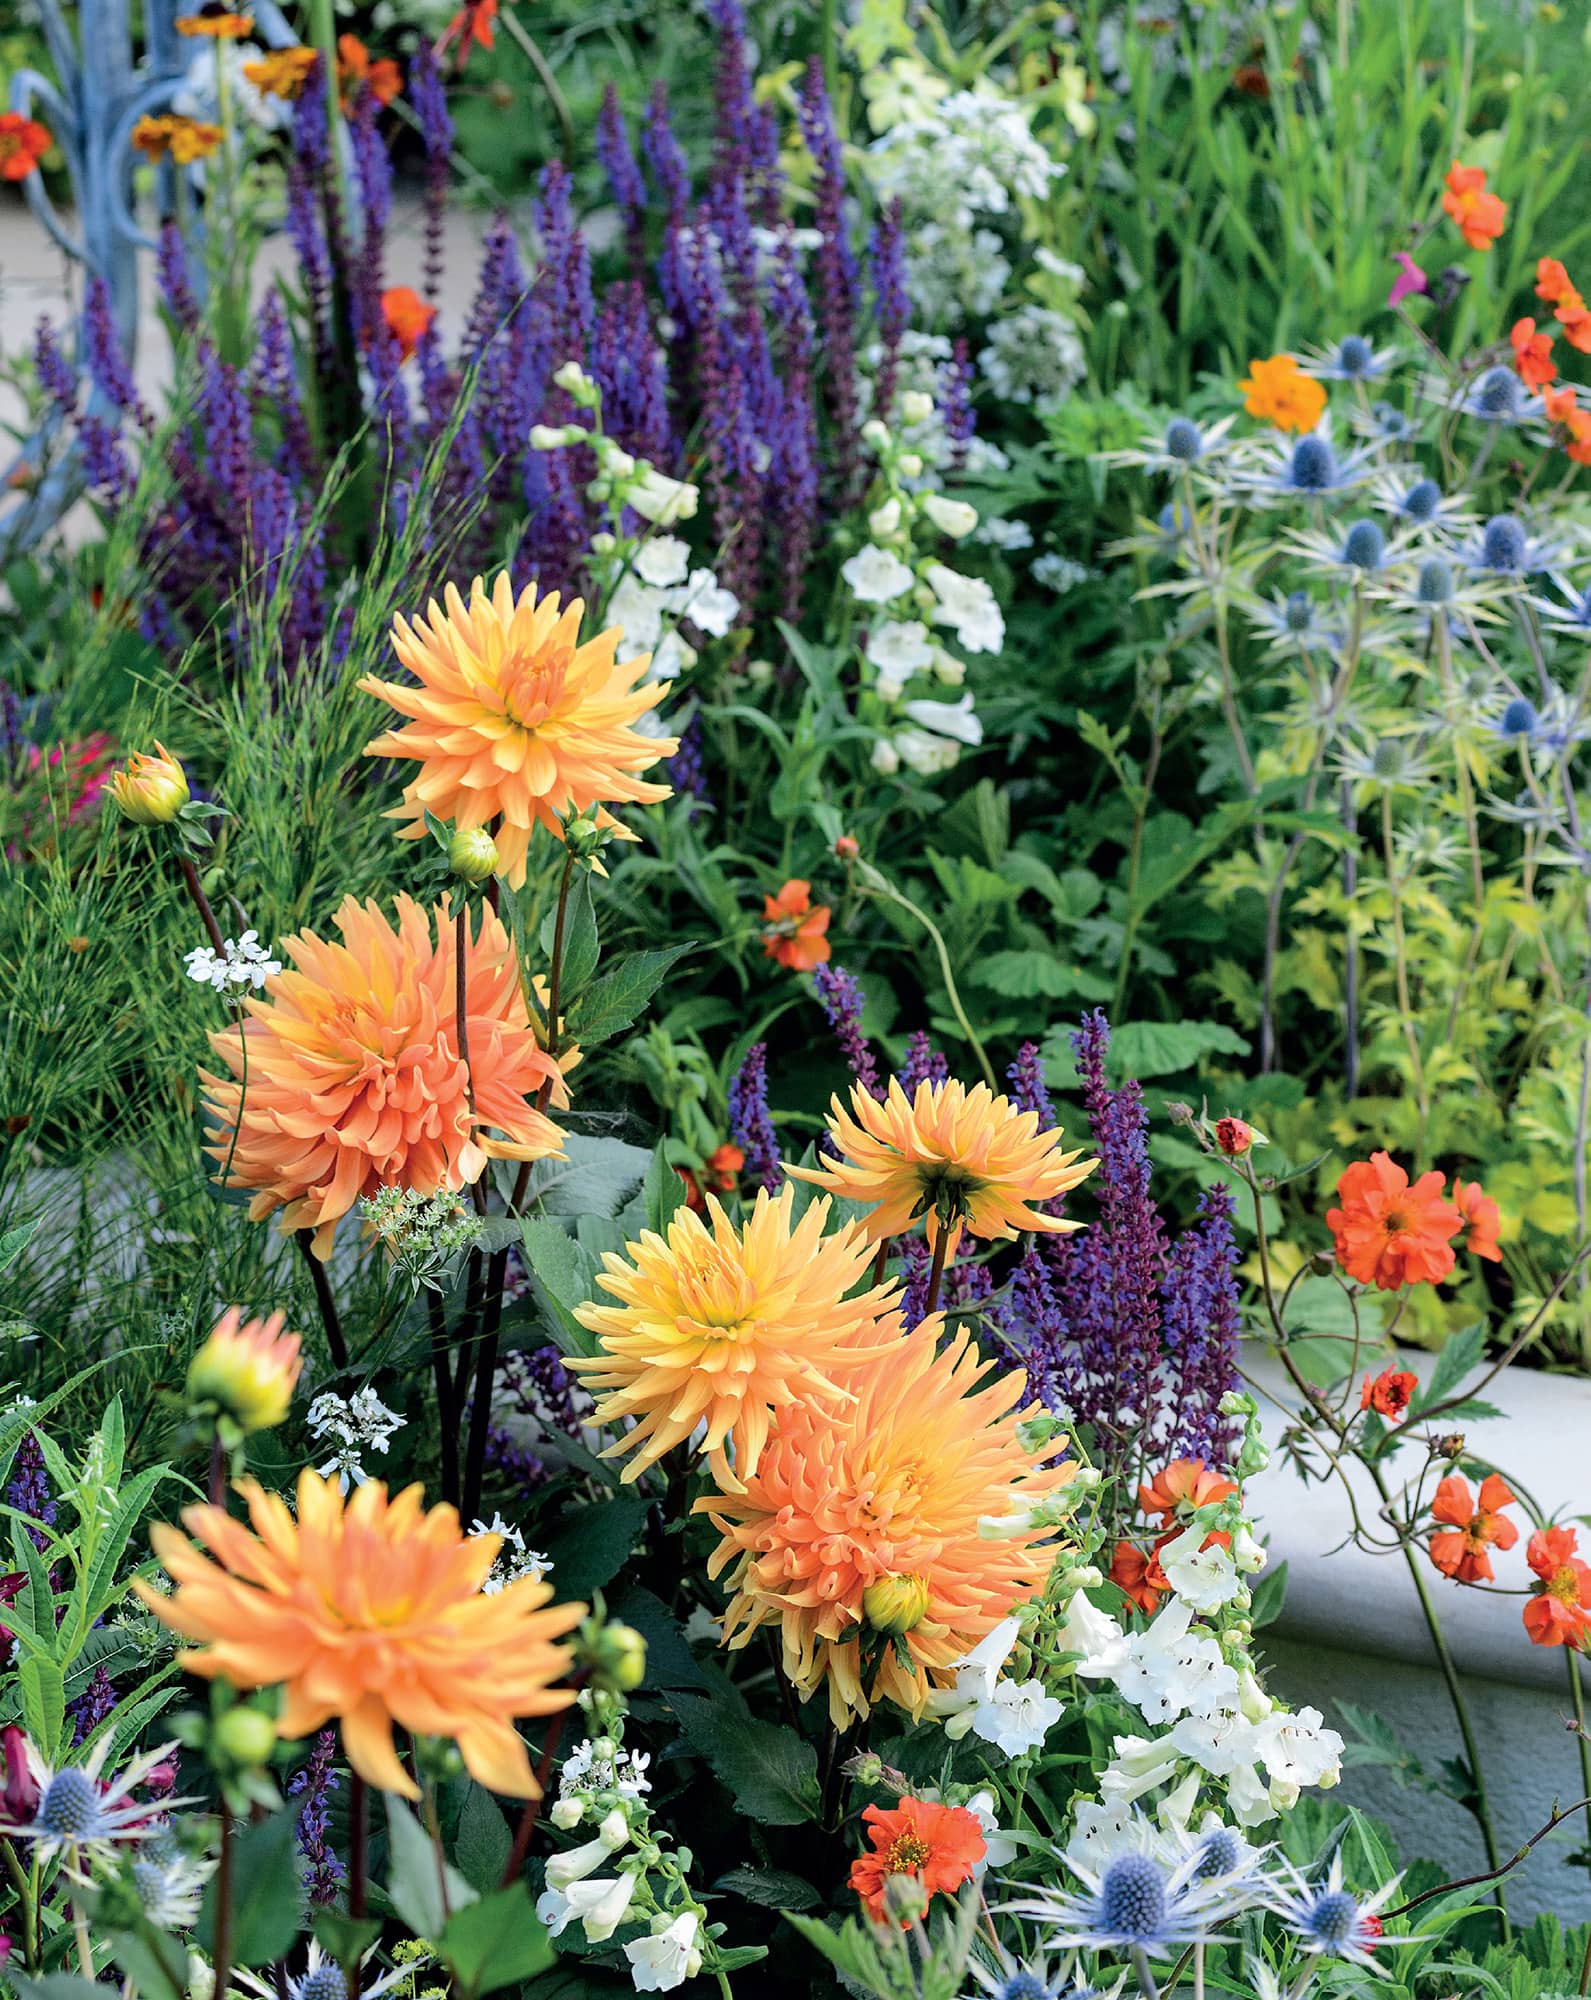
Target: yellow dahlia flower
(346,1077)
(954,1156)
(248,1369)
(371,1611)
(514,721)
(150,790)
(724,1326)
(888,1487)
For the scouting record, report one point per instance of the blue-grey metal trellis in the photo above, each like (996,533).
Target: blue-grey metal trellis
(100,94)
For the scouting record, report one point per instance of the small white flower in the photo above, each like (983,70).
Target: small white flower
(900,648)
(887,688)
(1095,1637)
(967,605)
(999,1850)
(1102,1831)
(637,609)
(1017,1717)
(662,560)
(977,1675)
(667,1958)
(951,517)
(1059,573)
(241,962)
(1139,1764)
(705,602)
(566,1814)
(883,521)
(1012,536)
(948,670)
(1297,1749)
(876,576)
(1204,1578)
(659,499)
(925,753)
(885,758)
(601,1904)
(515,1561)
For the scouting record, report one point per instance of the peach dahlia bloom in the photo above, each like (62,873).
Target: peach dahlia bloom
(724,1327)
(346,1076)
(891,1484)
(369,1611)
(951,1155)
(514,722)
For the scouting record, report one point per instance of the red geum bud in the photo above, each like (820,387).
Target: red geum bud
(848,847)
(1234,1137)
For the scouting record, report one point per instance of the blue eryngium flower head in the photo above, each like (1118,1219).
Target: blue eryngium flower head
(1221,1851)
(1298,613)
(1025,1986)
(1364,545)
(1183,440)
(1172,521)
(1132,1898)
(1330,1920)
(1355,355)
(326,1982)
(1519,718)
(1422,500)
(1333,1918)
(1313,467)
(1434,584)
(1503,544)
(1496,397)
(70,1807)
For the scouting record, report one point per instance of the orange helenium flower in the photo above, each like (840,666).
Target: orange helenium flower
(381,77)
(407,316)
(1184,1481)
(369,1611)
(1474,1527)
(1481,1217)
(283,73)
(473,26)
(940,1845)
(1278,391)
(1479,216)
(185,139)
(514,720)
(725,1326)
(216,24)
(23,143)
(890,1484)
(1559,1612)
(1563,407)
(1390,1234)
(1574,316)
(794,927)
(1532,354)
(1388,1393)
(346,1076)
(951,1155)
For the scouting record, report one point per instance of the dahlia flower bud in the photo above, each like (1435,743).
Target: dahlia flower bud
(614,1654)
(244,1738)
(246,1370)
(896,1605)
(150,791)
(472,854)
(848,847)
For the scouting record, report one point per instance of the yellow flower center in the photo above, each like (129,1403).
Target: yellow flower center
(1565,1586)
(716,1294)
(531,685)
(907,1854)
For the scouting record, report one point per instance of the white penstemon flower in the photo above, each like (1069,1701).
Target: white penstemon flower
(1015,1716)
(876,576)
(669,1956)
(241,962)
(1206,1578)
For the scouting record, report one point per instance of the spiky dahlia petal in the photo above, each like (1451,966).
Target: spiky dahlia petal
(346,1077)
(724,1326)
(514,720)
(956,1157)
(889,1483)
(370,1610)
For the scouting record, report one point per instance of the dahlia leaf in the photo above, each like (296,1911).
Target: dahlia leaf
(769,1771)
(265,1892)
(612,1003)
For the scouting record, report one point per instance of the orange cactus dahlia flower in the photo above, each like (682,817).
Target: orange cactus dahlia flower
(514,721)
(346,1077)
(954,1156)
(723,1326)
(369,1611)
(892,1483)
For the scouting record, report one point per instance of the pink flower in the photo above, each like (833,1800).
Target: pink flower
(1409,279)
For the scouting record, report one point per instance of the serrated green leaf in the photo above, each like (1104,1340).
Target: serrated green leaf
(770,1771)
(594,1545)
(483,1842)
(770,1889)
(612,1003)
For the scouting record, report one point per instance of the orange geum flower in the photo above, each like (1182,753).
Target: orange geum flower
(1481,1217)
(1387,1233)
(895,1481)
(1185,1482)
(407,317)
(1559,1611)
(939,1845)
(515,721)
(473,26)
(381,76)
(1552,280)
(216,23)
(957,1157)
(1574,317)
(1532,354)
(1479,216)
(1563,407)
(283,73)
(794,927)
(1278,391)
(23,143)
(723,1326)
(1137,1574)
(368,1611)
(1389,1393)
(346,1077)
(246,1371)
(1474,1527)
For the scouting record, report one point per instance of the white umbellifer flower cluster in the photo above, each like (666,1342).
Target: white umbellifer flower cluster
(240,962)
(1059,573)
(1034,355)
(515,1561)
(357,1423)
(972,153)
(1015,1716)
(624,1874)
(422,1234)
